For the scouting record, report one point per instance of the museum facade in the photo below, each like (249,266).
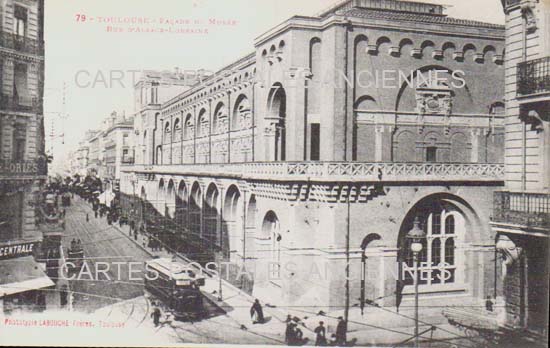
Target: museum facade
(320,148)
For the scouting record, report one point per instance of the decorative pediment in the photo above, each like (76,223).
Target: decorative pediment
(434,97)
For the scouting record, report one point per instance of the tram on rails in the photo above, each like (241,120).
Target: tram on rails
(75,259)
(177,286)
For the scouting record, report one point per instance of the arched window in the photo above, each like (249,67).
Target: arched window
(437,258)
(242,118)
(167,127)
(189,128)
(450,225)
(203,126)
(177,124)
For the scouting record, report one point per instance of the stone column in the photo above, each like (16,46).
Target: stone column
(390,268)
(296,114)
(383,143)
(269,132)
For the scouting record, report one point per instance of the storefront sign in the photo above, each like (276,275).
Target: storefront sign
(8,251)
(8,167)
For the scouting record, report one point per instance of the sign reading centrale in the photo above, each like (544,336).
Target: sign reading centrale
(10,251)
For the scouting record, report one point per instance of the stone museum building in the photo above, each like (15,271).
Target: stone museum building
(521,217)
(22,157)
(322,146)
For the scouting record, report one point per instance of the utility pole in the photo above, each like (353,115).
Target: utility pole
(346,310)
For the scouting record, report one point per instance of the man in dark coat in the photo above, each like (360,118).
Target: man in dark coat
(156,316)
(289,333)
(257,309)
(320,332)
(341,330)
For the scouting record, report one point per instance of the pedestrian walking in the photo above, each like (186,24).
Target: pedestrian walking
(489,304)
(256,312)
(288,331)
(87,218)
(298,336)
(156,316)
(320,332)
(63,295)
(95,213)
(341,330)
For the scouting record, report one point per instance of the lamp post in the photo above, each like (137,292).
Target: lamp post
(416,235)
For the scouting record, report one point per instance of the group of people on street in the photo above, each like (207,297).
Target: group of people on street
(76,244)
(294,335)
(154,243)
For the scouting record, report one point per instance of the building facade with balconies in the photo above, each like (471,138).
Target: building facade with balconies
(23,168)
(117,147)
(322,146)
(521,218)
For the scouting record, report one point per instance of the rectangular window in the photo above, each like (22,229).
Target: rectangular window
(20,85)
(19,142)
(20,23)
(315,135)
(431,154)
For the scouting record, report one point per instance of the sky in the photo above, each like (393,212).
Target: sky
(81,54)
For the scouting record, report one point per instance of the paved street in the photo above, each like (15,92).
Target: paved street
(104,246)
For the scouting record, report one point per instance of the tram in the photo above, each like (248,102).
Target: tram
(75,259)
(177,286)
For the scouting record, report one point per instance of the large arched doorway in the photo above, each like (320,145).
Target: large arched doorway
(271,229)
(232,224)
(170,200)
(277,116)
(211,215)
(195,206)
(181,215)
(161,196)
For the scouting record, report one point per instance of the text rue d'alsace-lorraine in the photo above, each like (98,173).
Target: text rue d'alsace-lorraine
(351,173)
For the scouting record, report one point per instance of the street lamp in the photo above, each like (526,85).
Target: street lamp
(416,236)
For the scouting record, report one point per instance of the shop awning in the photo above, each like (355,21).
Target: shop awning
(22,274)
